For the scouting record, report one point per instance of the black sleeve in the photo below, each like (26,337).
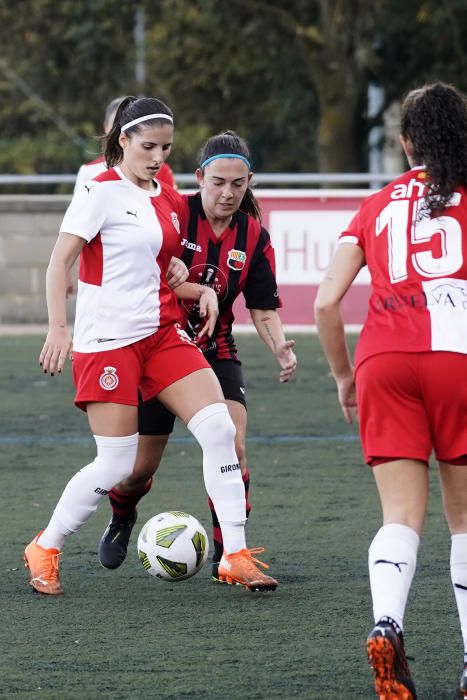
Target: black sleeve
(260,290)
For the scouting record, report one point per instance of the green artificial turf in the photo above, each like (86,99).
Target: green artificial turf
(124,635)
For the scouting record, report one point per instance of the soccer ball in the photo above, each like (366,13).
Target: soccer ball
(173,546)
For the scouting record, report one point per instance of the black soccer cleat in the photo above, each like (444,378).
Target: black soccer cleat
(114,542)
(385,649)
(463,682)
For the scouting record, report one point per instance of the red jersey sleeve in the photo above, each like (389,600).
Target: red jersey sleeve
(354,232)
(184,216)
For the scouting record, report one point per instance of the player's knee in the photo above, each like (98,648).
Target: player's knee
(222,428)
(145,467)
(137,480)
(213,427)
(115,459)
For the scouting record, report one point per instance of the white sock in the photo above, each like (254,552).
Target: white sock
(459,580)
(114,461)
(392,559)
(214,430)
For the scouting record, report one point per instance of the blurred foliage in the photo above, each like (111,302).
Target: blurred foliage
(290,76)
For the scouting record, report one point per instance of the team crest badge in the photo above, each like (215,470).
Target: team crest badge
(176,222)
(109,379)
(236,259)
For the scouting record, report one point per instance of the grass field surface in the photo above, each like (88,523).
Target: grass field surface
(124,635)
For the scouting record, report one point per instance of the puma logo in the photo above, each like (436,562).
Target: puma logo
(88,188)
(397,564)
(133,213)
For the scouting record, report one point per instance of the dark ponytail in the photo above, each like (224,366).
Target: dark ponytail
(434,119)
(230,142)
(132,108)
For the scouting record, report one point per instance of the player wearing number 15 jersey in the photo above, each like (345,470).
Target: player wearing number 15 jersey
(410,379)
(418,264)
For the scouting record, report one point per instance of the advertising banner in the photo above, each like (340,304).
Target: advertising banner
(304,226)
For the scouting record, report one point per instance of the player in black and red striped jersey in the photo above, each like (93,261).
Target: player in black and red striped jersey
(226,248)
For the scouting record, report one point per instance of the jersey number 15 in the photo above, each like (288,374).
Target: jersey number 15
(395,218)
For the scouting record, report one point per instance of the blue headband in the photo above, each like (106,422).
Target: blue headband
(225,155)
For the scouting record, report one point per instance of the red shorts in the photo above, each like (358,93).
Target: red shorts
(412,403)
(148,366)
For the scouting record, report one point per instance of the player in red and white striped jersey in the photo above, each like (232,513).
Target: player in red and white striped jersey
(410,378)
(128,339)
(227,249)
(126,229)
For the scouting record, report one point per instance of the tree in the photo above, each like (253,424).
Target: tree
(291,76)
(222,65)
(285,70)
(60,62)
(296,71)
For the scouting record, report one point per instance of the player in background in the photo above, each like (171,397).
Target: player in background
(126,226)
(225,248)
(410,378)
(90,170)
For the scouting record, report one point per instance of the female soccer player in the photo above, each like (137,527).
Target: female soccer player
(90,170)
(410,377)
(126,226)
(95,167)
(226,249)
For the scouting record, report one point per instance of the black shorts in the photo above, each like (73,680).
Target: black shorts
(155,419)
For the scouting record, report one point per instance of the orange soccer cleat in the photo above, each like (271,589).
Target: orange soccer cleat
(43,566)
(386,654)
(463,683)
(240,567)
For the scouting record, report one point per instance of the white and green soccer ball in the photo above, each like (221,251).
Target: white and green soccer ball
(173,546)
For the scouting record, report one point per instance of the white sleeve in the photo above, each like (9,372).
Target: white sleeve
(81,177)
(86,212)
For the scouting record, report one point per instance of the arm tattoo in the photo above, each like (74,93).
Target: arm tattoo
(264,321)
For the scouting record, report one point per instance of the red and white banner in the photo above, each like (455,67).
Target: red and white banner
(304,226)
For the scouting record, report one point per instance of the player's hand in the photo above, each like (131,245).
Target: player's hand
(347,397)
(177,273)
(209,310)
(287,360)
(57,348)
